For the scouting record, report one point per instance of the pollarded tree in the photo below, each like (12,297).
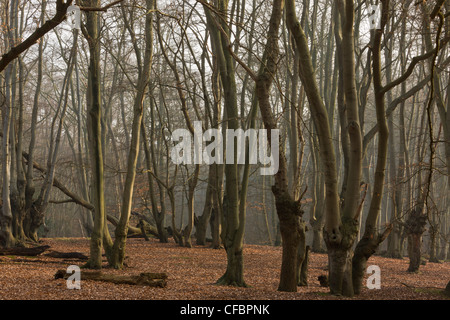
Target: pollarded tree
(371,238)
(144,67)
(289,212)
(288,207)
(15,196)
(92,34)
(340,224)
(10,76)
(233,218)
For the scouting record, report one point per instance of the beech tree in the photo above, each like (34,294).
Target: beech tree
(342,215)
(144,65)
(233,218)
(361,115)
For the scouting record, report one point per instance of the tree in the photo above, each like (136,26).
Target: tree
(233,219)
(118,250)
(333,227)
(292,227)
(14,52)
(94,132)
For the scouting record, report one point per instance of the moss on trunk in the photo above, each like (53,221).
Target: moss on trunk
(292,229)
(234,275)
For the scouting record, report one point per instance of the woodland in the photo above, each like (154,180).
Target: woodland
(354,98)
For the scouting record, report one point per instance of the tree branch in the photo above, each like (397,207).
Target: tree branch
(436,9)
(105,8)
(14,52)
(393,105)
(413,63)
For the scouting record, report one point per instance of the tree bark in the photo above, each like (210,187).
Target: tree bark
(289,210)
(144,279)
(339,233)
(6,216)
(201,223)
(415,227)
(94,136)
(302,263)
(371,239)
(233,222)
(118,250)
(158,215)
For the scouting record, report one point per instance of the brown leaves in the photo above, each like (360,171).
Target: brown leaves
(192,274)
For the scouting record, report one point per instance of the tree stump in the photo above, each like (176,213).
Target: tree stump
(415,227)
(447,290)
(143,279)
(323,279)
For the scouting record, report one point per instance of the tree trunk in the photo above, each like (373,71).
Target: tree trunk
(302,263)
(233,222)
(30,188)
(371,239)
(447,290)
(18,192)
(319,114)
(318,221)
(118,250)
(340,271)
(289,211)
(187,232)
(415,227)
(292,229)
(94,124)
(157,215)
(202,221)
(6,236)
(216,213)
(396,170)
(443,253)
(414,251)
(433,244)
(365,248)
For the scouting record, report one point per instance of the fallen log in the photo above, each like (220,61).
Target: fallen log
(23,251)
(143,279)
(135,232)
(141,216)
(143,225)
(66,255)
(34,260)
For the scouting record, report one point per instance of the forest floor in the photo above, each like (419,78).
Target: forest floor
(192,273)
